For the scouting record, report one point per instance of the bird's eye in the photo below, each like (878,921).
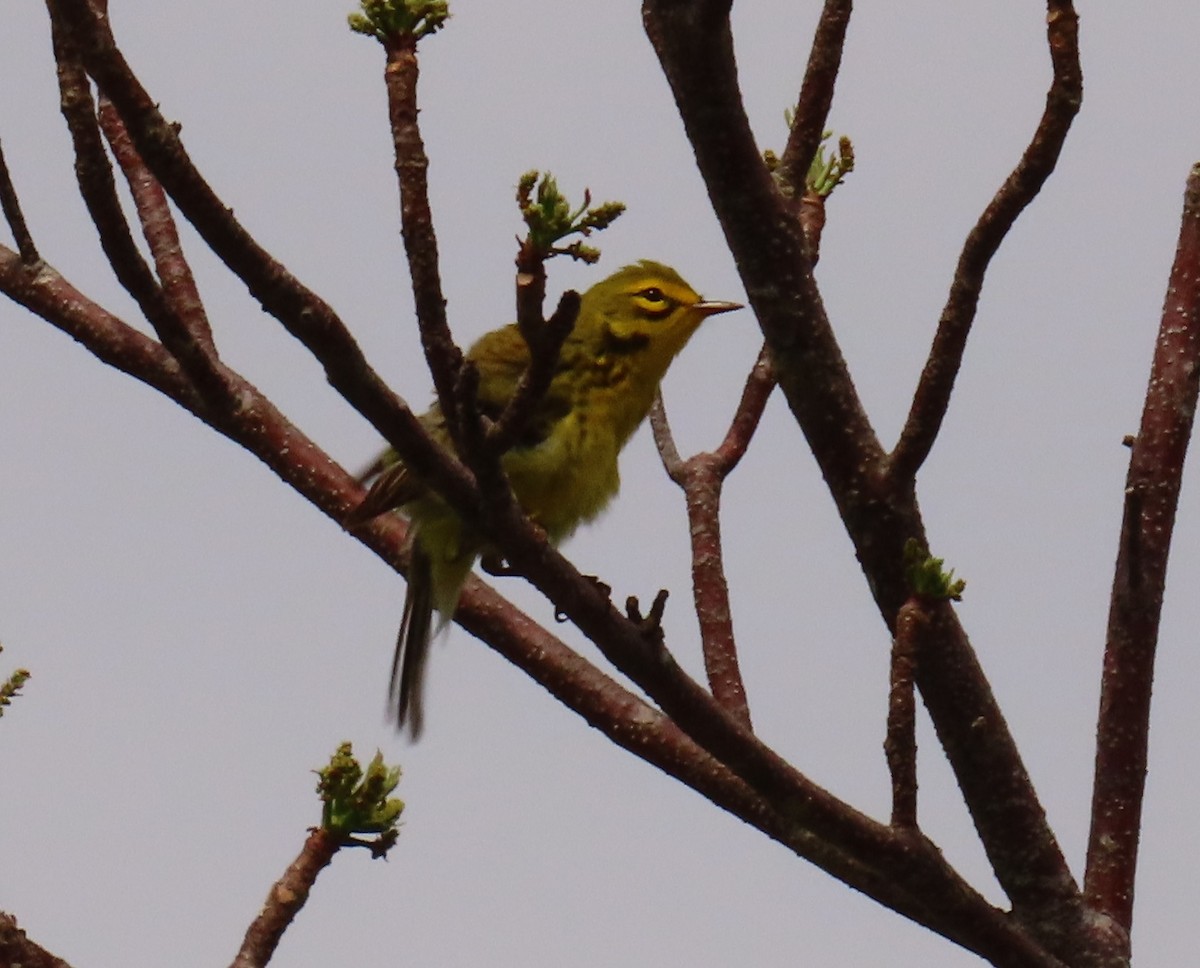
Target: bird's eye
(652,303)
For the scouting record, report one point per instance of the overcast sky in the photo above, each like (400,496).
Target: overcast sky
(201,639)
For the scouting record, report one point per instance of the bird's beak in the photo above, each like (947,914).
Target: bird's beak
(710,307)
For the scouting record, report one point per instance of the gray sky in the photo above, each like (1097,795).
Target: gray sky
(201,639)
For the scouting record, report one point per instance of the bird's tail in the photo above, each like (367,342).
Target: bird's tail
(412,645)
(434,584)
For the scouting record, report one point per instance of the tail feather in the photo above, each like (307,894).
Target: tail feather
(412,645)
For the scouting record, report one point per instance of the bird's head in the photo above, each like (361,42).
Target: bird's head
(647,306)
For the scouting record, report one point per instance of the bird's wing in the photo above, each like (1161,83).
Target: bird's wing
(502,357)
(391,484)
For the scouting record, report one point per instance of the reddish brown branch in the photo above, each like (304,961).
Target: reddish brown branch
(159,231)
(910,877)
(759,384)
(816,95)
(416,220)
(1151,500)
(545,339)
(10,205)
(302,312)
(96,184)
(694,44)
(183,328)
(701,477)
(41,290)
(285,899)
(900,746)
(906,874)
(932,397)
(18,951)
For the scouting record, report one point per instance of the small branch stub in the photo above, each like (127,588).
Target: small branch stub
(649,625)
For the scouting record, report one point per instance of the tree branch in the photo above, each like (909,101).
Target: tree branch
(815,825)
(694,44)
(304,314)
(10,205)
(932,397)
(416,219)
(184,328)
(285,899)
(816,95)
(900,746)
(1151,500)
(17,950)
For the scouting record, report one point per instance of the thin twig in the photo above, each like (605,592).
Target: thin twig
(900,746)
(664,441)
(816,95)
(932,397)
(285,899)
(96,184)
(302,312)
(184,328)
(701,477)
(545,341)
(1151,501)
(420,241)
(757,391)
(158,228)
(10,204)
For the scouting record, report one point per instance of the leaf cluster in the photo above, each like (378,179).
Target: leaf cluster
(394,19)
(356,802)
(550,219)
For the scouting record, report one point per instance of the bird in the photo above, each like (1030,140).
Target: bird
(563,466)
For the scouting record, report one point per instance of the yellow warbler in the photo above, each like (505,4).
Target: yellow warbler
(563,469)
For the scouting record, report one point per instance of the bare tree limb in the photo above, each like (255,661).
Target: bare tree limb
(17,950)
(304,314)
(701,477)
(184,328)
(816,95)
(96,184)
(694,44)
(1151,499)
(285,899)
(932,397)
(10,205)
(416,219)
(900,746)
